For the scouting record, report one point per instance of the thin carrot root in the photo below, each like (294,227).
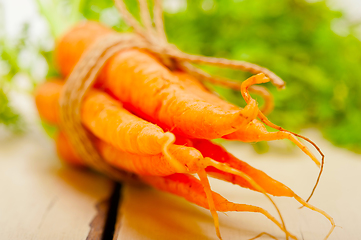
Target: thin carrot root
(261,234)
(270,124)
(220,154)
(261,78)
(255,79)
(257,176)
(223,167)
(299,199)
(267,97)
(270,185)
(207,189)
(191,189)
(256,132)
(265,120)
(306,204)
(251,110)
(170,139)
(249,113)
(289,136)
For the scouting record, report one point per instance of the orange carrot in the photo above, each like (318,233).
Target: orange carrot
(106,119)
(151,90)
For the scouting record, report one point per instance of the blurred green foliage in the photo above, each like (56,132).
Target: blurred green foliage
(9,67)
(297,40)
(8,116)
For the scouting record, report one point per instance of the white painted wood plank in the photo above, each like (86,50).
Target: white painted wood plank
(42,198)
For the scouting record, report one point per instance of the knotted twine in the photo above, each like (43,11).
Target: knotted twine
(154,40)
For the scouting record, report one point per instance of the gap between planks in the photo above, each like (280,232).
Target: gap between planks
(106,223)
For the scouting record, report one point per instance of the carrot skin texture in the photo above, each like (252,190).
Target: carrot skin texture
(156,165)
(105,118)
(139,80)
(195,87)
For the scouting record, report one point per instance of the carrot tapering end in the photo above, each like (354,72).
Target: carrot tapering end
(224,167)
(306,204)
(170,139)
(261,234)
(207,189)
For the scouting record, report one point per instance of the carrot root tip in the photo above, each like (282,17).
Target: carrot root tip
(170,139)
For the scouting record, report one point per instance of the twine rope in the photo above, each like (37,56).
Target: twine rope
(154,40)
(78,83)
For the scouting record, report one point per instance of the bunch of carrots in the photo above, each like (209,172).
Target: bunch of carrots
(158,124)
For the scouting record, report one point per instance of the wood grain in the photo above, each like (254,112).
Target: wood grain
(42,198)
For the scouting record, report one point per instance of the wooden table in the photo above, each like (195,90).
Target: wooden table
(44,199)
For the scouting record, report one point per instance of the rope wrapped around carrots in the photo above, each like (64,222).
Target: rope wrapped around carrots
(134,108)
